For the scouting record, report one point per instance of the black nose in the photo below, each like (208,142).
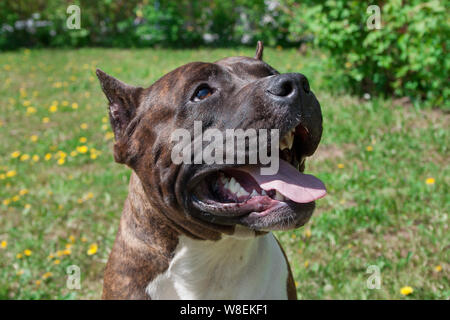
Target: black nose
(288,85)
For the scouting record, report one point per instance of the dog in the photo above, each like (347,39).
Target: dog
(203,231)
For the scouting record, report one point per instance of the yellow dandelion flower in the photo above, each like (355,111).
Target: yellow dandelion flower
(369,148)
(31,110)
(3,244)
(65,103)
(308,233)
(83,139)
(68,245)
(293,236)
(104,119)
(73,153)
(47,275)
(306,264)
(38,282)
(27,206)
(72,238)
(20,272)
(48,156)
(438,268)
(6,202)
(61,154)
(15,154)
(26,103)
(35,158)
(27,252)
(11,173)
(406,290)
(430,181)
(90,195)
(93,156)
(2,176)
(23,192)
(24,157)
(53,108)
(34,138)
(61,161)
(57,261)
(67,252)
(74,105)
(84,239)
(82,149)
(92,249)
(84,126)
(109,135)
(104,127)
(80,200)
(19,256)
(15,198)
(340,165)
(45,120)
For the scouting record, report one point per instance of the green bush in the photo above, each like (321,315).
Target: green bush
(406,57)
(142,23)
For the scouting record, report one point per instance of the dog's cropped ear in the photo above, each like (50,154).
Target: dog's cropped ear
(259,50)
(123,102)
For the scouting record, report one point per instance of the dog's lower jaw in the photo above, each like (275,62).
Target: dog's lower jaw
(151,260)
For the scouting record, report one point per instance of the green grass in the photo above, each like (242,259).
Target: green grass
(379,210)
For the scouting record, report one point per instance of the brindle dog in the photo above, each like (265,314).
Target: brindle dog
(183,232)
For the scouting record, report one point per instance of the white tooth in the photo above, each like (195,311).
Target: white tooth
(287,141)
(264,193)
(254,193)
(290,141)
(232,185)
(283,144)
(278,196)
(242,192)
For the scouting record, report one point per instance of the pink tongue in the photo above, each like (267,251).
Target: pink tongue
(297,186)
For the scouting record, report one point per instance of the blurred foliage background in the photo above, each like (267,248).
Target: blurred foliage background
(405,58)
(384,153)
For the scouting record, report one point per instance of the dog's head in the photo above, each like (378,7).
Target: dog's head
(207,198)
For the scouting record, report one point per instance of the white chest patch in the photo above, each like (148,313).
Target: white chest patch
(231,268)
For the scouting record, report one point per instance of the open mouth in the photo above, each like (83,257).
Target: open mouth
(242,195)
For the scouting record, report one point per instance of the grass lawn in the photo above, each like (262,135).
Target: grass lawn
(61,194)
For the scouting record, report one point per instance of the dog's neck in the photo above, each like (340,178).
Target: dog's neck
(150,259)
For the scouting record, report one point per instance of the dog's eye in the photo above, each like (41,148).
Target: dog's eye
(202,93)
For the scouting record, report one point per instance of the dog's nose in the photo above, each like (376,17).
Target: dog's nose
(288,85)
